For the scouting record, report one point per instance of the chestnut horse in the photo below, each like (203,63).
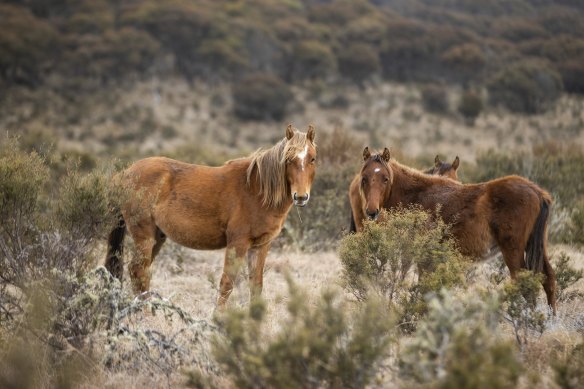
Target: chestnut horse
(444,168)
(510,213)
(240,206)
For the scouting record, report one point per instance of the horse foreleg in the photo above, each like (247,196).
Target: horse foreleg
(256,259)
(234,259)
(139,267)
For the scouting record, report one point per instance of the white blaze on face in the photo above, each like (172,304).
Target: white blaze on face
(377,170)
(302,156)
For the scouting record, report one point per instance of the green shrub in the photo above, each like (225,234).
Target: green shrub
(312,59)
(466,60)
(470,106)
(358,62)
(315,346)
(554,167)
(380,261)
(566,276)
(27,44)
(569,370)
(435,98)
(454,347)
(527,87)
(520,306)
(261,97)
(573,75)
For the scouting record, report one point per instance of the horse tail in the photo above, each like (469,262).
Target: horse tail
(353,227)
(536,245)
(115,247)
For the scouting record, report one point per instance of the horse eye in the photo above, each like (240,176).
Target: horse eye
(313,160)
(386,180)
(363,181)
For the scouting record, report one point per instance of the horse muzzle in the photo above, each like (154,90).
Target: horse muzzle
(372,215)
(300,201)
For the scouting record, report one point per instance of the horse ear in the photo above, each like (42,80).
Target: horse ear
(456,163)
(311,133)
(386,156)
(289,132)
(366,153)
(437,161)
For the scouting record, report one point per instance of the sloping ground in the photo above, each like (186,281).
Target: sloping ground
(163,116)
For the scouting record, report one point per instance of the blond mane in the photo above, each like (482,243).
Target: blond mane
(270,166)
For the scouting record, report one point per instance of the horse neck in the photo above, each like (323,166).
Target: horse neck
(408,184)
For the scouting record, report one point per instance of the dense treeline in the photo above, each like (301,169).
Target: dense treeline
(91,43)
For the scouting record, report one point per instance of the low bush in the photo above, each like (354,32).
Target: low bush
(470,106)
(520,306)
(454,347)
(53,303)
(315,346)
(526,87)
(435,99)
(380,261)
(566,276)
(311,60)
(261,97)
(359,62)
(569,370)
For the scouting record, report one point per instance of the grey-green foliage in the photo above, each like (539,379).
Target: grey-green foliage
(381,260)
(49,295)
(455,346)
(520,306)
(105,326)
(566,276)
(317,345)
(569,369)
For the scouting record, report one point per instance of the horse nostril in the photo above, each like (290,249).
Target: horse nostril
(294,196)
(372,215)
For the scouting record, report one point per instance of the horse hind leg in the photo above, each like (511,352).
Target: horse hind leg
(549,283)
(515,262)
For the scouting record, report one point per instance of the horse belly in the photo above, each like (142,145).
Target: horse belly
(199,233)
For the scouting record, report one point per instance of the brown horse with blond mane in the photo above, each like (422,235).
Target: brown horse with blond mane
(510,213)
(240,206)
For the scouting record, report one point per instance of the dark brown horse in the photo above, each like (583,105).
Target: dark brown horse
(445,169)
(510,213)
(240,206)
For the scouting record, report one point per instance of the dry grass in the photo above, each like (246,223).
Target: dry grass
(385,115)
(189,279)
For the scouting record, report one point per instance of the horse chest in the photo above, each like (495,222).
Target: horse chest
(267,229)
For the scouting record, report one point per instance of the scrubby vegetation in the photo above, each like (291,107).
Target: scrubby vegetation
(85,82)
(412,311)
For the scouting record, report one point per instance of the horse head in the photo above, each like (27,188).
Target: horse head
(376,180)
(446,169)
(300,164)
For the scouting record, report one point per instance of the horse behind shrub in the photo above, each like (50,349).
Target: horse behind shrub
(510,213)
(241,206)
(445,169)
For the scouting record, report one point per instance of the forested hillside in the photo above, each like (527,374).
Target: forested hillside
(82,45)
